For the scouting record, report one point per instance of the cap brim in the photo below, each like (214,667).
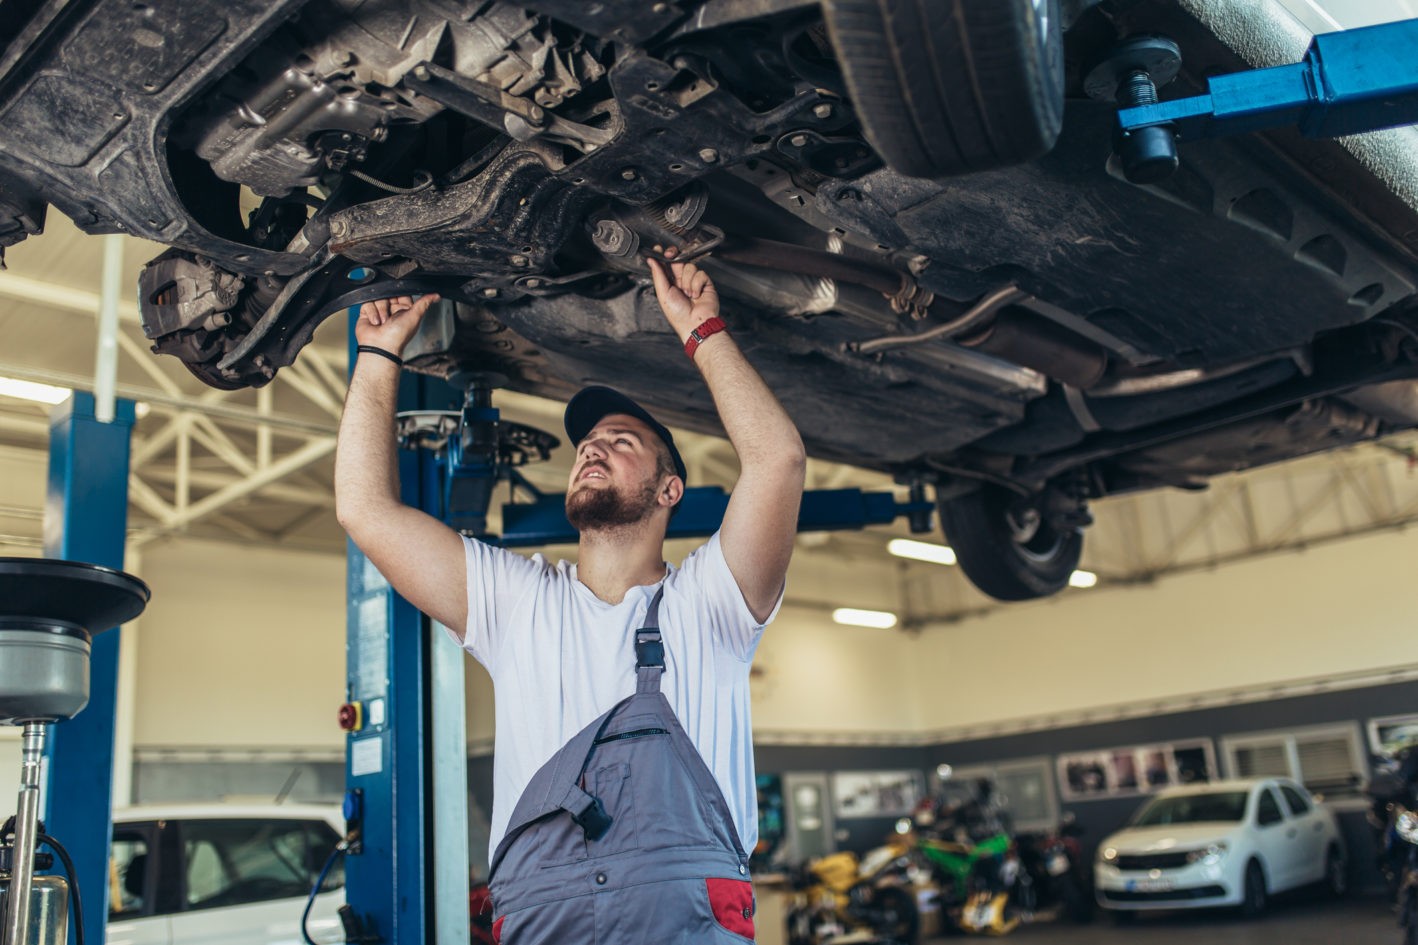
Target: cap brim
(593,404)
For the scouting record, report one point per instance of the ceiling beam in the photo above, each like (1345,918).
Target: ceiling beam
(64,297)
(311,452)
(162,402)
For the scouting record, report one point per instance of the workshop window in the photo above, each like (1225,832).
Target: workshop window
(1024,788)
(1295,800)
(1268,811)
(128,892)
(236,862)
(1327,760)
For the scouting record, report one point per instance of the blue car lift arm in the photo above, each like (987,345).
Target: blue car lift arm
(543,521)
(486,450)
(1349,82)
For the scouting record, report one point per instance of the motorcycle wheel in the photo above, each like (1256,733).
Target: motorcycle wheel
(799,924)
(900,919)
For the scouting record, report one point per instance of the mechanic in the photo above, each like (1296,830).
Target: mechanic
(618,677)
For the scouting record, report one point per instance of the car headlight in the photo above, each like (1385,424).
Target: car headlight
(1406,823)
(1210,855)
(1109,855)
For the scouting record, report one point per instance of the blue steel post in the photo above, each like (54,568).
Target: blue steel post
(388,762)
(85,519)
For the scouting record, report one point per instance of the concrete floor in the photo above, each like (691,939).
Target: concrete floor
(1356,921)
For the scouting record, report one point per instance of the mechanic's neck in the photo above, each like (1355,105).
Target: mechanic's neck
(613,560)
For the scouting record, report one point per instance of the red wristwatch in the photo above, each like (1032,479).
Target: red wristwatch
(710,326)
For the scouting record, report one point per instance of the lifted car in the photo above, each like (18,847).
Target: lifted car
(912,210)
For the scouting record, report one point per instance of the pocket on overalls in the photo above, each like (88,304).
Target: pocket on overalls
(611,783)
(731,901)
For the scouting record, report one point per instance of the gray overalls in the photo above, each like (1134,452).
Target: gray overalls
(624,837)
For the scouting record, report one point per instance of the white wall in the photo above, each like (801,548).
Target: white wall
(244,648)
(240,647)
(1334,610)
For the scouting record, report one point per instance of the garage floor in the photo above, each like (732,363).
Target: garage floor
(1361,921)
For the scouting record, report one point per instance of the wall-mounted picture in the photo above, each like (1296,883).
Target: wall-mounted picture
(1083,775)
(1392,733)
(1134,769)
(876,793)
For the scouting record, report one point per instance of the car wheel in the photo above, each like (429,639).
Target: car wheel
(1336,873)
(952,86)
(1254,898)
(1006,546)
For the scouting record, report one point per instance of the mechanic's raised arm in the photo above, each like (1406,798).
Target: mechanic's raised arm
(419,555)
(761,520)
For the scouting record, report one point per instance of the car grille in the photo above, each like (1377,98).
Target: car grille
(1169,895)
(1153,861)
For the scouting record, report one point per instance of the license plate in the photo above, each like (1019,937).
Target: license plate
(1149,885)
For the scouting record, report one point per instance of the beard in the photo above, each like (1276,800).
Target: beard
(593,509)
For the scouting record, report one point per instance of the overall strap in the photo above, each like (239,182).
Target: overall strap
(649,649)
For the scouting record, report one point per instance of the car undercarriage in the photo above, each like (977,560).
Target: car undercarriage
(964,290)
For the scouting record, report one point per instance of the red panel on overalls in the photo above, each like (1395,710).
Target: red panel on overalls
(623,837)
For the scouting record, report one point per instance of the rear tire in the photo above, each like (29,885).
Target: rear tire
(1336,874)
(1000,553)
(952,86)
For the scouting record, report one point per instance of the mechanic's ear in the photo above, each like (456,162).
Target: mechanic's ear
(672,491)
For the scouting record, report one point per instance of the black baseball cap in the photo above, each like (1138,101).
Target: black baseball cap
(593,404)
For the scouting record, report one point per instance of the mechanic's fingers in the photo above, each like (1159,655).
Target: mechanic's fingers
(697,283)
(421,307)
(381,311)
(657,272)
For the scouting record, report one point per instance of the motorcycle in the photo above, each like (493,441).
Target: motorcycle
(967,842)
(978,882)
(1058,873)
(1393,813)
(480,915)
(839,897)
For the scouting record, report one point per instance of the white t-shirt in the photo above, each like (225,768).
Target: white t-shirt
(560,656)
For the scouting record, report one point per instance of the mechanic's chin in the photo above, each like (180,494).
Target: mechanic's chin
(602,509)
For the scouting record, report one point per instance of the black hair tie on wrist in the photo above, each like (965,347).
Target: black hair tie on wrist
(371,349)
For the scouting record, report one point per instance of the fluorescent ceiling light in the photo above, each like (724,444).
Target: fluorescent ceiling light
(876,619)
(921,550)
(29,390)
(1082,579)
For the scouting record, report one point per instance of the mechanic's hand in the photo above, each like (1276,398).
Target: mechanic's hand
(390,323)
(686,293)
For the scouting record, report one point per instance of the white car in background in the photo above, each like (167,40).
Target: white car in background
(1228,843)
(222,874)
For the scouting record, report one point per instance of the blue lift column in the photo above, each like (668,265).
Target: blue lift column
(85,519)
(389,774)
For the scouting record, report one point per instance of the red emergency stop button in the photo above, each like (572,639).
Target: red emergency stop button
(352,716)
